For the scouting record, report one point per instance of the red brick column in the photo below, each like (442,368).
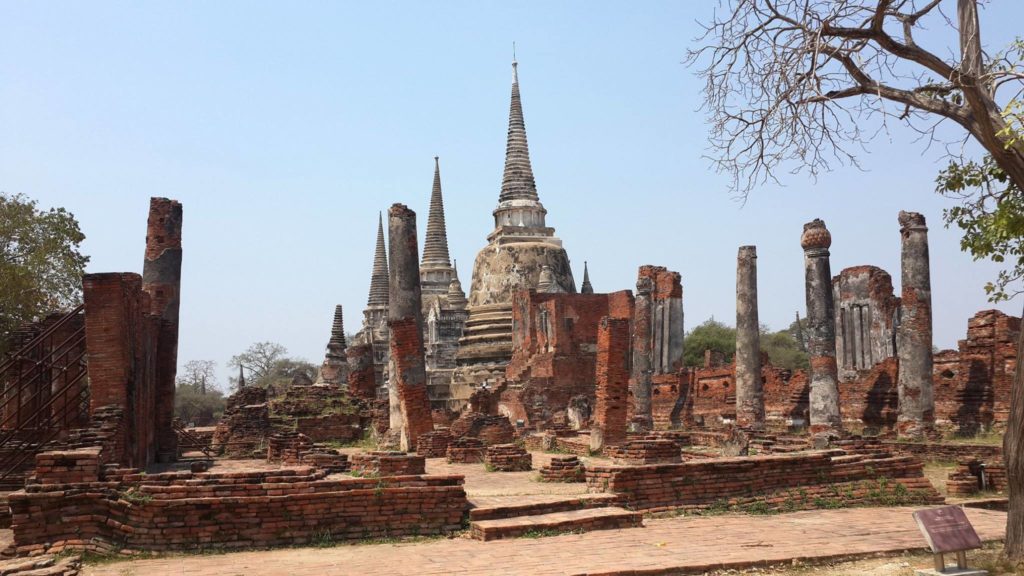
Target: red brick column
(362,376)
(114,338)
(112,309)
(613,350)
(408,375)
(161,274)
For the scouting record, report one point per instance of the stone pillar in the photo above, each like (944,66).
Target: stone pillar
(612,392)
(749,388)
(642,350)
(161,278)
(408,379)
(914,335)
(821,329)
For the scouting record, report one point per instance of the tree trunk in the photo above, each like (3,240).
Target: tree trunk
(1013,454)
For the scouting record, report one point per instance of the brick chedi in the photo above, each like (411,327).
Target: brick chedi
(334,370)
(517,253)
(824,393)
(407,382)
(865,319)
(161,278)
(443,301)
(749,391)
(914,335)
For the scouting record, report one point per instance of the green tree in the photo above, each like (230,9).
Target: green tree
(710,335)
(990,214)
(783,349)
(40,264)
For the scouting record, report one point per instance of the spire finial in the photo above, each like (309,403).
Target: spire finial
(435,248)
(517,182)
(586,288)
(379,276)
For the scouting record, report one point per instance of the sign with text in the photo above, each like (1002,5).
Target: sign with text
(947,529)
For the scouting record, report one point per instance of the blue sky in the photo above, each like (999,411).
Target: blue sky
(285,127)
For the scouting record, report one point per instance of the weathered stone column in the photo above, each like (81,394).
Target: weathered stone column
(914,335)
(612,392)
(405,320)
(161,278)
(821,329)
(749,388)
(642,350)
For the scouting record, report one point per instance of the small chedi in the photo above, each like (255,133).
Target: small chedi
(394,434)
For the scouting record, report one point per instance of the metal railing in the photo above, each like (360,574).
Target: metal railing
(44,392)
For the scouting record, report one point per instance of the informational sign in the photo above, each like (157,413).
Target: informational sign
(947,529)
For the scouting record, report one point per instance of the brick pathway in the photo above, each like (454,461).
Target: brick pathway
(675,545)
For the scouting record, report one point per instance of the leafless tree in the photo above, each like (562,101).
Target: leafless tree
(199,374)
(802,85)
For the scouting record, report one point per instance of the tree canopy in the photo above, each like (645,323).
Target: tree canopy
(40,264)
(782,347)
(268,364)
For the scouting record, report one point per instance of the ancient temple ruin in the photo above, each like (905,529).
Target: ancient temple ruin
(522,253)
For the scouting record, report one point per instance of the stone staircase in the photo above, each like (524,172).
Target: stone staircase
(582,513)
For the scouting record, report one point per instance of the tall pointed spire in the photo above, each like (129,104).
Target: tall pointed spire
(586,288)
(517,181)
(241,376)
(379,277)
(435,248)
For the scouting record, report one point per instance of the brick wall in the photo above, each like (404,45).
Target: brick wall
(555,352)
(206,511)
(121,356)
(776,482)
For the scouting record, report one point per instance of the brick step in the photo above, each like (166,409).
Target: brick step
(587,520)
(582,502)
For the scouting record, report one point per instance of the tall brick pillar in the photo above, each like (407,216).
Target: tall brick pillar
(643,349)
(405,320)
(821,329)
(161,278)
(613,351)
(114,337)
(749,388)
(914,335)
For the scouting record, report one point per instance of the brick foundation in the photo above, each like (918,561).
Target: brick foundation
(507,458)
(185,511)
(776,482)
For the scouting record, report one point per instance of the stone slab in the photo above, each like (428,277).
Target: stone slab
(947,529)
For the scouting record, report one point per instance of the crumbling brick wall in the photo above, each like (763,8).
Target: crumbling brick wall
(555,351)
(185,511)
(774,482)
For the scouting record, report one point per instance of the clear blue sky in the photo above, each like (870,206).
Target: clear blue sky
(285,127)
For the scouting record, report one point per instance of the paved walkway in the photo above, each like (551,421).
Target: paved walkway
(674,545)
